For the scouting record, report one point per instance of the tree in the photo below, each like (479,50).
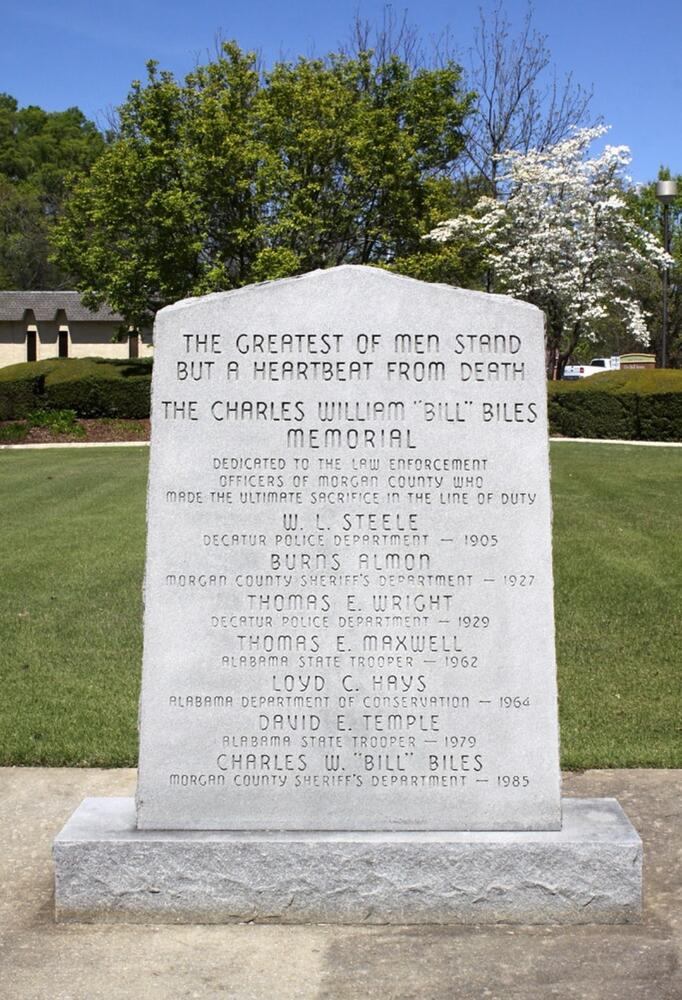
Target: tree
(24,236)
(521,104)
(648,212)
(393,36)
(41,153)
(562,238)
(234,176)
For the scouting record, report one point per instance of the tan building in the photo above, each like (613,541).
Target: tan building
(39,325)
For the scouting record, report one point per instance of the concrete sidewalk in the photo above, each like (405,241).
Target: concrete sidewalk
(40,960)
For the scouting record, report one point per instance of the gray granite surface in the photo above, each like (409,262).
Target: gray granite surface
(348,599)
(108,871)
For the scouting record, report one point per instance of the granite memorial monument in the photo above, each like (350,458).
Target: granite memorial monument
(349,706)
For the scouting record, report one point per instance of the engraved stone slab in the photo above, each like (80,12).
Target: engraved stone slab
(348,595)
(109,872)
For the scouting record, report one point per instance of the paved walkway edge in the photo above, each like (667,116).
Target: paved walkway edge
(645,444)
(76,444)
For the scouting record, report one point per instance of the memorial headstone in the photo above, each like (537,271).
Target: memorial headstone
(349,638)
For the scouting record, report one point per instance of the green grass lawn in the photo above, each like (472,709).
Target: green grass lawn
(618,592)
(72,539)
(71,598)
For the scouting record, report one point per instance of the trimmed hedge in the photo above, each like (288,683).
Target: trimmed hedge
(93,387)
(633,405)
(18,395)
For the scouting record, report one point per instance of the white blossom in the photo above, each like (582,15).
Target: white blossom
(561,237)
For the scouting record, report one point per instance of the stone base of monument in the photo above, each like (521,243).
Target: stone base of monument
(108,871)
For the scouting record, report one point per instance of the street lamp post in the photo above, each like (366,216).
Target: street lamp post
(666,192)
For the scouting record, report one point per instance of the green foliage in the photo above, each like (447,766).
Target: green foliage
(13,433)
(638,405)
(98,396)
(20,389)
(592,414)
(58,421)
(41,155)
(648,212)
(641,381)
(356,155)
(24,231)
(448,263)
(59,369)
(234,176)
(91,387)
(660,416)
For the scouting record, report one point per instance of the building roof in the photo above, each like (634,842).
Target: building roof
(45,306)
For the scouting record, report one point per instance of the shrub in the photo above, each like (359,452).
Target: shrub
(58,421)
(97,397)
(592,415)
(92,387)
(636,405)
(642,404)
(18,395)
(660,417)
(13,433)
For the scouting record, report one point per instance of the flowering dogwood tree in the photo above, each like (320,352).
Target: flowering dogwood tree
(561,238)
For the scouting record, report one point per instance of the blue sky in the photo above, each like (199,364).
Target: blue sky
(74,52)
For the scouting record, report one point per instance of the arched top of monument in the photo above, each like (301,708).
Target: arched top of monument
(354,276)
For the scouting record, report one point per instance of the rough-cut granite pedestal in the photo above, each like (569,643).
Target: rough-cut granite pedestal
(588,872)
